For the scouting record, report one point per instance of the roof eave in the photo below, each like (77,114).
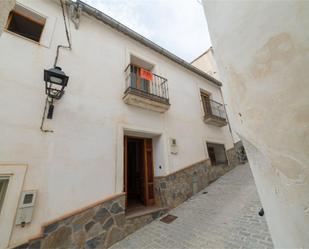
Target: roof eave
(134,35)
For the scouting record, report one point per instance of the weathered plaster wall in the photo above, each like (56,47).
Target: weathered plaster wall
(81,162)
(262,52)
(5,8)
(207,63)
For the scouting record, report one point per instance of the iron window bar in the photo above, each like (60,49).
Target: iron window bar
(155,89)
(214,109)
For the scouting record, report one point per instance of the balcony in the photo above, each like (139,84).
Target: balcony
(214,113)
(145,89)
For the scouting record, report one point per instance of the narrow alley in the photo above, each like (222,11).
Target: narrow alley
(223,215)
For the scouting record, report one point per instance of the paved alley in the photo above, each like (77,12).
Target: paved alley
(224,217)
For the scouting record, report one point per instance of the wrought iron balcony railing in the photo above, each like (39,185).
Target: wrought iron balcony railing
(217,109)
(154,88)
(215,113)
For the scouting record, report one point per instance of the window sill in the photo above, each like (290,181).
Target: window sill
(22,37)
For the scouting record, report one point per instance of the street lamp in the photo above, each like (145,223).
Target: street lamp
(55,82)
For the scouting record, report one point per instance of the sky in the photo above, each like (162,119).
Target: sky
(176,25)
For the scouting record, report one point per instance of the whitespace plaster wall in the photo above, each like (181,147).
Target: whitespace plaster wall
(82,160)
(262,51)
(207,63)
(5,8)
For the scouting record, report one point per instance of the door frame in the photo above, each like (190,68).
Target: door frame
(218,143)
(16,174)
(148,201)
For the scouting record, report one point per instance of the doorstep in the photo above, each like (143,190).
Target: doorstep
(142,210)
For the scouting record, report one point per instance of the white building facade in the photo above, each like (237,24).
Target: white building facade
(207,63)
(131,110)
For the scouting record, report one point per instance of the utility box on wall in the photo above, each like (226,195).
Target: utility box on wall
(173,146)
(25,207)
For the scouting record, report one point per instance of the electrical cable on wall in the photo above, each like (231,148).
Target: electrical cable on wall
(67,35)
(50,101)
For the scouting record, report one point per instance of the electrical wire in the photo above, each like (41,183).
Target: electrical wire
(55,64)
(67,35)
(69,23)
(43,117)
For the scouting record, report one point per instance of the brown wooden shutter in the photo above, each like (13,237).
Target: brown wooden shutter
(125,175)
(149,172)
(206,103)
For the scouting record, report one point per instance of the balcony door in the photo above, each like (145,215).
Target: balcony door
(206,103)
(138,169)
(137,81)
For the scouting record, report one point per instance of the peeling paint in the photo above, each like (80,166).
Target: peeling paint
(278,49)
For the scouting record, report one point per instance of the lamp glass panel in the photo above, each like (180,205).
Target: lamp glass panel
(55,79)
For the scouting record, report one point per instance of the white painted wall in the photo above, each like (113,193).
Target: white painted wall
(5,8)
(262,51)
(207,63)
(82,161)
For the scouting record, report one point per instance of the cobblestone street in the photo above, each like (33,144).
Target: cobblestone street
(224,217)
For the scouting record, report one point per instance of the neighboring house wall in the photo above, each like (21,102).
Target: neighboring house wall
(265,61)
(81,162)
(207,63)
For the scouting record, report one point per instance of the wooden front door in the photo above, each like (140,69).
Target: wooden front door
(145,175)
(125,160)
(149,193)
(212,155)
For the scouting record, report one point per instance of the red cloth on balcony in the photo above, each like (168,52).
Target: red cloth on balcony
(146,74)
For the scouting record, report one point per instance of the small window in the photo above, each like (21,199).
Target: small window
(4,181)
(26,23)
(28,198)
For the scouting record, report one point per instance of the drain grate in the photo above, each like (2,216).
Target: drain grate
(169,218)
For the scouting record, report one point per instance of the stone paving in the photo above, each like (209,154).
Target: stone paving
(224,217)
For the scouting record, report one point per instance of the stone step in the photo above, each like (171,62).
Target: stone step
(142,211)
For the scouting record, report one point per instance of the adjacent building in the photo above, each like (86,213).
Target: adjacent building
(102,130)
(207,63)
(261,48)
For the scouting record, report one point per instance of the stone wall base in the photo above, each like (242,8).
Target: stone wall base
(97,227)
(104,224)
(172,190)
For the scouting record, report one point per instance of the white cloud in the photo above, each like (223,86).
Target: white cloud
(123,12)
(177,25)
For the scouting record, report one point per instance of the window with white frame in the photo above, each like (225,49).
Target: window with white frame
(4,181)
(26,23)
